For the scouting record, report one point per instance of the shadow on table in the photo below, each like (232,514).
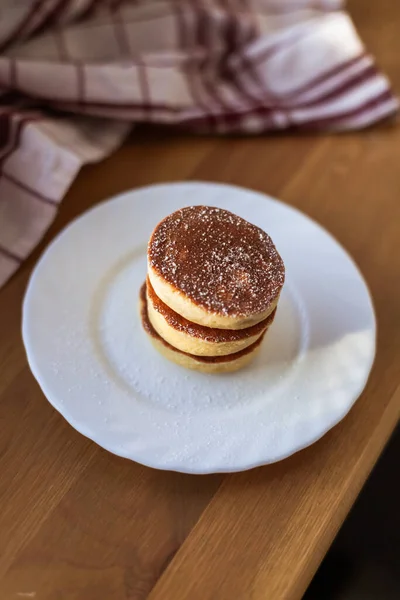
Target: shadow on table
(364,560)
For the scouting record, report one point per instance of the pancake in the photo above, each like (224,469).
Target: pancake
(196,339)
(214,268)
(204,364)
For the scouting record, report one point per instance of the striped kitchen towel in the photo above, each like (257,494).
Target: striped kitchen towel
(75,74)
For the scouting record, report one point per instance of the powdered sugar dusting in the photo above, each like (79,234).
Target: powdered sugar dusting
(220,261)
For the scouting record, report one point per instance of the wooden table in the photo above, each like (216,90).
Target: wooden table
(77,523)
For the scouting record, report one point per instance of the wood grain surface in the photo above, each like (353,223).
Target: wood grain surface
(77,523)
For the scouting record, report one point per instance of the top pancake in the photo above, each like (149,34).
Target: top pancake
(219,261)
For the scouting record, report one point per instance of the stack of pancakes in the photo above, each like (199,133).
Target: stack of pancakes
(212,289)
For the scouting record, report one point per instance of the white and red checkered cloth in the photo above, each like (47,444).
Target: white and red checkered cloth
(74,75)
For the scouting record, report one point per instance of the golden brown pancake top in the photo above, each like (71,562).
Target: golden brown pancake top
(218,260)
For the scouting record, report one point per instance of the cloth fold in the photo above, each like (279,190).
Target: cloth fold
(75,74)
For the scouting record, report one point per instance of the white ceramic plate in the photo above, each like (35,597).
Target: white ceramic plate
(87,350)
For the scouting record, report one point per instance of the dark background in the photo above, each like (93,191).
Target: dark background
(364,560)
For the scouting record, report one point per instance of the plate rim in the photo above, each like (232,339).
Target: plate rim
(178,466)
